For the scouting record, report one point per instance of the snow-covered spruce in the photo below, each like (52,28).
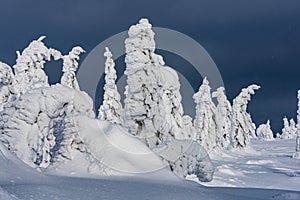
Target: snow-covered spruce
(223,116)
(264,132)
(29,73)
(187,157)
(297,153)
(242,126)
(6,80)
(153,109)
(70,66)
(38,127)
(289,130)
(205,119)
(111,108)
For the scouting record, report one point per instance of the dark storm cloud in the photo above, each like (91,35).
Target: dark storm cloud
(250,41)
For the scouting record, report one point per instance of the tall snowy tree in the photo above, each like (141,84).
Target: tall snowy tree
(242,126)
(223,116)
(264,131)
(70,66)
(111,108)
(297,153)
(28,69)
(205,119)
(286,130)
(6,80)
(153,107)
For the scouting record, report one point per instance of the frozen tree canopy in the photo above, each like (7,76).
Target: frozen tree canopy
(28,70)
(70,66)
(111,108)
(264,131)
(153,109)
(6,80)
(223,116)
(205,119)
(242,126)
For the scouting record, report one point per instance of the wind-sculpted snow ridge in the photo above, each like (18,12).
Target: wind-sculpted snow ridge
(264,131)
(242,126)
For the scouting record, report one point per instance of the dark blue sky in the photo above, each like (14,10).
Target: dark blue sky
(255,41)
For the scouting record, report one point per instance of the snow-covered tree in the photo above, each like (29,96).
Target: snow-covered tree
(297,153)
(223,116)
(153,107)
(264,131)
(28,69)
(242,127)
(205,119)
(70,66)
(111,108)
(6,80)
(288,130)
(293,128)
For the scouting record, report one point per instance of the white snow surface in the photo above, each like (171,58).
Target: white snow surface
(18,181)
(269,165)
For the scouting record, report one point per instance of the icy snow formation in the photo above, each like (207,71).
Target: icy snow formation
(205,119)
(153,109)
(38,126)
(289,130)
(111,108)
(264,132)
(242,126)
(187,157)
(223,116)
(70,66)
(6,80)
(29,73)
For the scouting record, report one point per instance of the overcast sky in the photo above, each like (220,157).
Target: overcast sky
(253,41)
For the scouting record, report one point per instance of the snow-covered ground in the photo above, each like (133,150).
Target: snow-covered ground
(270,165)
(272,168)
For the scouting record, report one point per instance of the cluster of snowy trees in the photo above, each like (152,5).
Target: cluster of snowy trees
(153,110)
(289,130)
